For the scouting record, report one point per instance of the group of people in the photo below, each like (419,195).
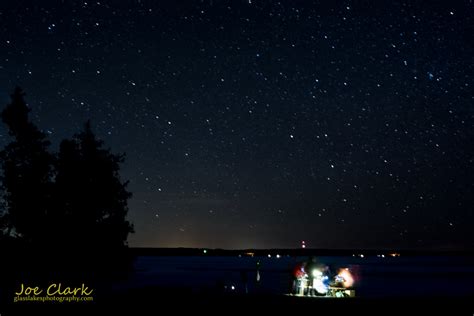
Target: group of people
(311,278)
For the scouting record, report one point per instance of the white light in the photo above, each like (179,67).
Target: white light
(232,287)
(278,256)
(317,273)
(269,255)
(320,287)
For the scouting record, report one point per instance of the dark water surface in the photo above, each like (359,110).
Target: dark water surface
(414,276)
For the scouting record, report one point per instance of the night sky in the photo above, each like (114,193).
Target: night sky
(263,123)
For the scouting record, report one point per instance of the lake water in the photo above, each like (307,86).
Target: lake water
(374,276)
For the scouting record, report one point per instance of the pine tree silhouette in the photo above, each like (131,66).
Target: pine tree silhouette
(90,197)
(27,174)
(75,198)
(70,207)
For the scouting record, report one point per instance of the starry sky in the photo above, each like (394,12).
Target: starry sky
(263,123)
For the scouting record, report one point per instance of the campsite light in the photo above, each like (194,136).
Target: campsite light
(317,273)
(346,276)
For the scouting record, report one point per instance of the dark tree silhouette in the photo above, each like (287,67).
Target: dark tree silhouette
(27,174)
(65,212)
(91,200)
(75,197)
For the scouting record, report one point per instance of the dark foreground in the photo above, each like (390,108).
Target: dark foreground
(173,301)
(191,283)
